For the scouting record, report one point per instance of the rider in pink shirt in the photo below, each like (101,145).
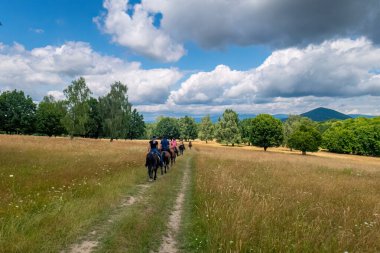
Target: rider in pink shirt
(174,143)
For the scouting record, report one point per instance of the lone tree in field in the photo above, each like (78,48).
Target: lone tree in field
(167,127)
(306,138)
(227,129)
(77,97)
(188,128)
(116,111)
(291,125)
(206,129)
(266,131)
(49,115)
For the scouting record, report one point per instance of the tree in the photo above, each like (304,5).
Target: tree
(77,116)
(167,127)
(291,125)
(206,129)
(359,136)
(227,129)
(17,112)
(136,127)
(266,131)
(116,111)
(49,115)
(188,128)
(306,138)
(245,129)
(94,123)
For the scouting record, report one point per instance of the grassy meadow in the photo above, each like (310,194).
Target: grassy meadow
(245,200)
(53,189)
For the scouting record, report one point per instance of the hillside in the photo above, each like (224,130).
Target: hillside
(323,114)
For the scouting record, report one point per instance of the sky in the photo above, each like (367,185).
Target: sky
(198,57)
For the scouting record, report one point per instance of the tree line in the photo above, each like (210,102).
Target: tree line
(359,136)
(79,114)
(112,116)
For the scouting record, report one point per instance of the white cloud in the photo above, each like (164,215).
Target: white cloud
(207,87)
(337,68)
(137,31)
(49,69)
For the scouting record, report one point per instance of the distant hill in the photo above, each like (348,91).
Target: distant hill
(361,116)
(323,114)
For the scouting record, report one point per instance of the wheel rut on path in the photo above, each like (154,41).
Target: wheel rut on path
(89,243)
(169,242)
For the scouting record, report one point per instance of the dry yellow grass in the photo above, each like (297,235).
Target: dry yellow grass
(255,201)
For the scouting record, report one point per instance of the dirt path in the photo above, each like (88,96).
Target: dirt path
(169,242)
(89,242)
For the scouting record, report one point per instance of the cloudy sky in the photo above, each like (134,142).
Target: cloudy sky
(196,57)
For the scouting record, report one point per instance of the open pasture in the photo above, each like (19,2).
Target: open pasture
(255,201)
(53,189)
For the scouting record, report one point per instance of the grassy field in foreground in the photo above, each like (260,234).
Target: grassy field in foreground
(53,189)
(253,201)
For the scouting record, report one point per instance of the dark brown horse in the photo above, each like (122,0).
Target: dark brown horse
(152,162)
(181,149)
(166,159)
(174,155)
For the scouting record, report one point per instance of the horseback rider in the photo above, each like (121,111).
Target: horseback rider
(165,145)
(173,144)
(153,147)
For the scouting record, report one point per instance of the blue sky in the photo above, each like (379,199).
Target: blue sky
(198,57)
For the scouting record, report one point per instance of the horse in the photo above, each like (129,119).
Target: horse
(166,159)
(152,163)
(174,155)
(190,145)
(181,149)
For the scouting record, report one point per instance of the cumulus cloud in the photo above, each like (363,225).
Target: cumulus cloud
(137,31)
(336,68)
(50,69)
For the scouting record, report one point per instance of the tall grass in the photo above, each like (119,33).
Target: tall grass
(53,189)
(249,201)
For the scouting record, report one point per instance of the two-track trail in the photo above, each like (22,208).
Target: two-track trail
(93,240)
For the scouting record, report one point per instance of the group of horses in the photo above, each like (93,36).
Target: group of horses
(153,161)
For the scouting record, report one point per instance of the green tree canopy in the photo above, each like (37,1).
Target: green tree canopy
(266,131)
(136,127)
(94,123)
(227,129)
(17,112)
(305,137)
(359,136)
(292,124)
(188,128)
(206,129)
(246,129)
(167,127)
(77,97)
(49,115)
(116,111)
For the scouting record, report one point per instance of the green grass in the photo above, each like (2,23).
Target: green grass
(142,227)
(61,188)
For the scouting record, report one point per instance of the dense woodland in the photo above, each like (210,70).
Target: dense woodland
(112,117)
